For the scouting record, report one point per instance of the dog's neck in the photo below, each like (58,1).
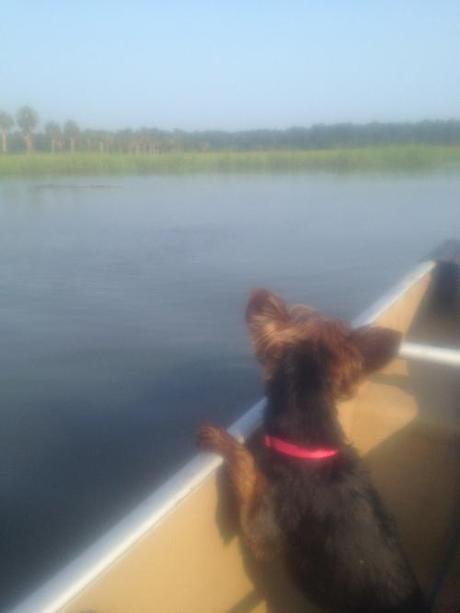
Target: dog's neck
(302,410)
(311,424)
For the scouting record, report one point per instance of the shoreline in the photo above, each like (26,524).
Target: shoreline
(389,159)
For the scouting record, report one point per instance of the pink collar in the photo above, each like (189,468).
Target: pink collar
(298,452)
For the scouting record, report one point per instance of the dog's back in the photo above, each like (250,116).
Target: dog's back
(342,546)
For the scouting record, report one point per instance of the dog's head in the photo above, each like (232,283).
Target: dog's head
(343,355)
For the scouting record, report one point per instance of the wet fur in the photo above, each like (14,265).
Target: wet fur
(324,516)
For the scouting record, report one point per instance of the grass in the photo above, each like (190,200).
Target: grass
(394,159)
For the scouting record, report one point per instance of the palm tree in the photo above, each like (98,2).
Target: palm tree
(125,140)
(71,132)
(53,132)
(103,139)
(27,120)
(6,123)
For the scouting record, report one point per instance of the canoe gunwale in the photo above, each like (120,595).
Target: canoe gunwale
(372,313)
(98,557)
(447,356)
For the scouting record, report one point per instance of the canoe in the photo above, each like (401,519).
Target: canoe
(179,550)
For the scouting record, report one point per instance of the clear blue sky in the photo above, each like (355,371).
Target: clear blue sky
(231,64)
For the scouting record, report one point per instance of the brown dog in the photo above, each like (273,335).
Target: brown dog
(308,495)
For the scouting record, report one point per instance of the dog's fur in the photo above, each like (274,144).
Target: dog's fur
(323,515)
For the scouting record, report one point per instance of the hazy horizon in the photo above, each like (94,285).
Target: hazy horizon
(203,66)
(41,126)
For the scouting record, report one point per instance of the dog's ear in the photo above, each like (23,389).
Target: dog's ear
(267,316)
(265,306)
(377,346)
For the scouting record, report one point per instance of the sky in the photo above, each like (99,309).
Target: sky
(230,64)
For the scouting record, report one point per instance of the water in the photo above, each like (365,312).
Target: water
(121,324)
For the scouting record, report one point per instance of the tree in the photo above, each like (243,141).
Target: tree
(6,123)
(27,120)
(71,133)
(102,139)
(54,134)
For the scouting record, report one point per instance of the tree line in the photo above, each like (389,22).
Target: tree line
(21,134)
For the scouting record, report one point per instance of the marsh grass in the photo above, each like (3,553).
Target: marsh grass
(394,159)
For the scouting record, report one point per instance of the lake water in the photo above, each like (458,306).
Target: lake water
(121,324)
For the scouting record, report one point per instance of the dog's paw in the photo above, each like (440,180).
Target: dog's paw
(212,438)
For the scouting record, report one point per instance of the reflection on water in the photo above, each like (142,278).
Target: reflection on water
(121,324)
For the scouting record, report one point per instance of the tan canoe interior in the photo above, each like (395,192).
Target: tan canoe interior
(405,422)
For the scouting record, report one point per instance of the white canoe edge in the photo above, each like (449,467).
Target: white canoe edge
(428,353)
(64,586)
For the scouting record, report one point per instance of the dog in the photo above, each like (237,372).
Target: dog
(307,496)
